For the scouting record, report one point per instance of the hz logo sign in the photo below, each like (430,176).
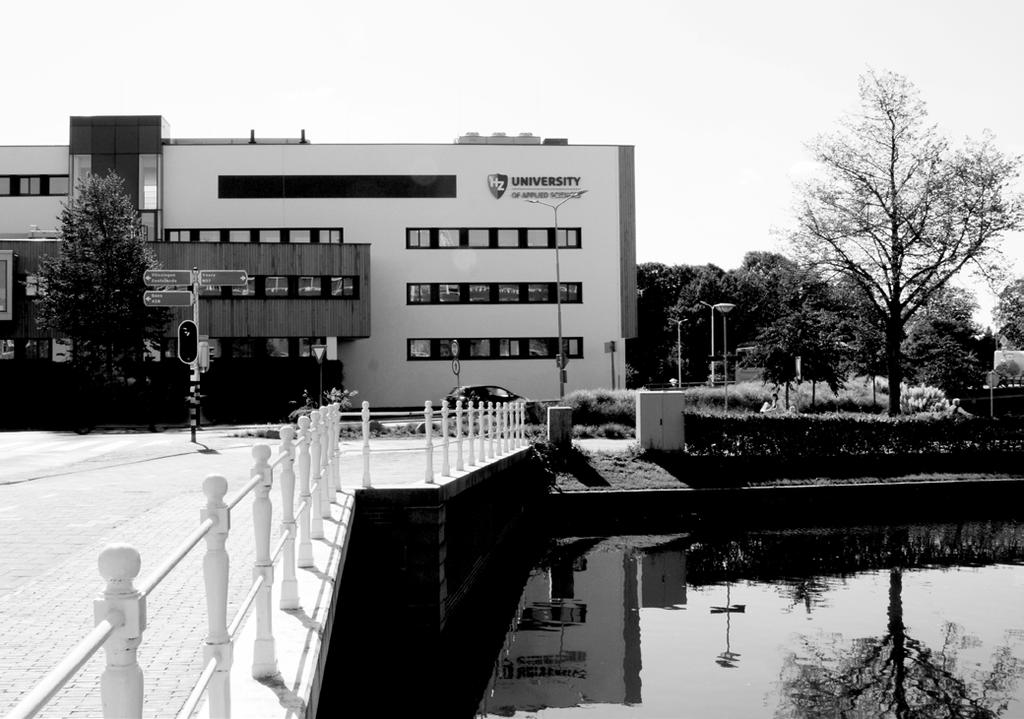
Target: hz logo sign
(497,184)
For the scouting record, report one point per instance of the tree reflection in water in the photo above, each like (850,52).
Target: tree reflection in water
(896,675)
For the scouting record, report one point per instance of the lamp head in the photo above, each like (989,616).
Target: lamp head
(725,307)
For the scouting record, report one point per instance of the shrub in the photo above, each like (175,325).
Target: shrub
(922,399)
(609,430)
(602,406)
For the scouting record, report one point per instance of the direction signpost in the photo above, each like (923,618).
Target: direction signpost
(456,366)
(183,298)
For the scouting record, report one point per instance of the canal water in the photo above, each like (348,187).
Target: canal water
(911,621)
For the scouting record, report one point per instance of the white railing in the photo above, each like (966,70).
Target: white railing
(120,613)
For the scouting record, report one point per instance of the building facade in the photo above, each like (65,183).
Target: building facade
(383,252)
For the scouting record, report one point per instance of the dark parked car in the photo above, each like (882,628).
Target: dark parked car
(481,393)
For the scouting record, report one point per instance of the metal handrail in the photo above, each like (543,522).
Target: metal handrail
(161,572)
(236,623)
(197,691)
(36,700)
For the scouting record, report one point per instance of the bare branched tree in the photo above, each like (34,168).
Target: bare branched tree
(898,212)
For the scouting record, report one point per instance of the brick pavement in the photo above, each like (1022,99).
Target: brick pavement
(53,527)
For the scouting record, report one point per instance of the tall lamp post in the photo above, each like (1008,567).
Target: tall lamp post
(560,359)
(725,308)
(711,322)
(679,353)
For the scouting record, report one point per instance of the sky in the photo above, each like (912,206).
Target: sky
(718,98)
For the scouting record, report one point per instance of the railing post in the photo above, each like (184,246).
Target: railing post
(305,546)
(121,682)
(216,565)
(289,584)
(334,413)
(492,427)
(428,429)
(522,424)
(445,469)
(317,522)
(326,493)
(469,427)
(482,415)
(503,428)
(458,436)
(264,655)
(366,443)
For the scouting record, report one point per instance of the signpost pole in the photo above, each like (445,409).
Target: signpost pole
(194,366)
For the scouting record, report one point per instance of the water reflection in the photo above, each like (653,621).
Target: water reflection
(916,621)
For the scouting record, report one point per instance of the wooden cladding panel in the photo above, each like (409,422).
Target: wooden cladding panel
(245,317)
(267,259)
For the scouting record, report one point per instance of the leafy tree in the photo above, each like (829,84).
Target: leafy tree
(93,286)
(898,213)
(1009,313)
(943,346)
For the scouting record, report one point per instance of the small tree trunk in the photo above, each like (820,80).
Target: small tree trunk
(893,360)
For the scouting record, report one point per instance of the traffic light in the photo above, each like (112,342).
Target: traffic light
(188,341)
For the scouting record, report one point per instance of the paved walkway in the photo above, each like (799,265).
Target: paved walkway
(55,519)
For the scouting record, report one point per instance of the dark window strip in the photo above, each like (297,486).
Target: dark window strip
(10,185)
(443,238)
(247,187)
(259,289)
(429,293)
(317,235)
(529,348)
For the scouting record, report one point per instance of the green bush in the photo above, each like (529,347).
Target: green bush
(609,430)
(602,406)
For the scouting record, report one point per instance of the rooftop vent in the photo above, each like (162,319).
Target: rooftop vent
(526,138)
(470,138)
(556,141)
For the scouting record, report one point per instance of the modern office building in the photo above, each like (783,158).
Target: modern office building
(385,253)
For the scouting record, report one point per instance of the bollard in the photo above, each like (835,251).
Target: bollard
(264,655)
(121,682)
(326,493)
(492,427)
(216,567)
(471,460)
(289,584)
(458,436)
(445,469)
(366,443)
(316,525)
(428,428)
(305,546)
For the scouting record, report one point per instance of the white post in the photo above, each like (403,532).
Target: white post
(305,546)
(428,429)
(522,424)
(216,565)
(492,416)
(482,427)
(289,584)
(469,427)
(264,656)
(499,410)
(366,443)
(458,436)
(317,523)
(504,424)
(325,464)
(335,424)
(121,682)
(445,469)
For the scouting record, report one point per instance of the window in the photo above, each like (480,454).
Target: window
(209,235)
(148,171)
(570,292)
(508,293)
(479,293)
(270,235)
(537,238)
(58,185)
(508,348)
(81,167)
(246,290)
(310,286)
(417,238)
(34,286)
(343,287)
(212,290)
(444,349)
(37,349)
(479,348)
(241,349)
(447,238)
(572,346)
(178,235)
(419,349)
(306,345)
(276,347)
(330,237)
(6,349)
(479,238)
(508,238)
(275,286)
(239,236)
(419,294)
(569,238)
(539,348)
(537,292)
(5,185)
(299,236)
(448,293)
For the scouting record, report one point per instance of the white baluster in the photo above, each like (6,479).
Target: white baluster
(326,493)
(264,655)
(428,429)
(289,584)
(445,469)
(503,427)
(492,426)
(520,423)
(316,524)
(305,546)
(121,682)
(366,443)
(216,566)
(335,424)
(482,427)
(469,432)
(458,436)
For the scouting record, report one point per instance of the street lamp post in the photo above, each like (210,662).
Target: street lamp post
(711,322)
(560,359)
(679,353)
(725,308)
